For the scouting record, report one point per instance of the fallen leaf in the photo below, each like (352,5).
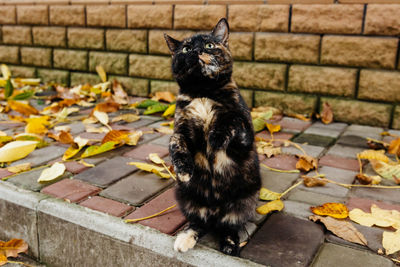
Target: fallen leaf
(335,210)
(52,173)
(107,107)
(164,130)
(391,242)
(102,73)
(374,155)
(159,107)
(267,149)
(327,114)
(156,159)
(126,117)
(262,113)
(258,124)
(376,144)
(22,108)
(20,168)
(102,117)
(3,259)
(24,95)
(266,194)
(394,147)
(386,170)
(365,179)
(64,128)
(133,138)
(5,139)
(8,89)
(64,113)
(146,103)
(312,181)
(342,229)
(306,163)
(95,150)
(31,137)
(37,125)
(170,111)
(16,150)
(299,116)
(150,168)
(77,146)
(273,128)
(92,129)
(13,247)
(119,137)
(378,217)
(86,164)
(165,96)
(5,71)
(275,205)
(120,96)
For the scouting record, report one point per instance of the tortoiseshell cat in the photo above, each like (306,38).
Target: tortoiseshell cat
(212,146)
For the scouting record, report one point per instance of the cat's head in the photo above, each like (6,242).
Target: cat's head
(202,57)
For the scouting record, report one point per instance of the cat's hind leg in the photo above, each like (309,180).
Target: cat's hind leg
(187,238)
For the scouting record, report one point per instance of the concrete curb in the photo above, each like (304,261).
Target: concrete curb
(72,216)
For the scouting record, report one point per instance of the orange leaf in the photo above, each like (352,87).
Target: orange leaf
(306,163)
(335,210)
(273,128)
(22,108)
(107,107)
(3,259)
(65,138)
(394,147)
(13,247)
(37,125)
(115,136)
(166,96)
(327,114)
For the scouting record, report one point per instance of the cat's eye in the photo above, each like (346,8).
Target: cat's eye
(209,46)
(185,49)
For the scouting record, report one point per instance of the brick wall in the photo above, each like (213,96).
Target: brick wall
(293,54)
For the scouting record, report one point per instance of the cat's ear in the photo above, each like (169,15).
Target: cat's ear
(221,31)
(171,42)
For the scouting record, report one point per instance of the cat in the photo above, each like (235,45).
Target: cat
(212,147)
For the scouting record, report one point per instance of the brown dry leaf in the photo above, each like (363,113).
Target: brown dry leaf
(126,117)
(391,242)
(165,96)
(376,144)
(273,128)
(394,147)
(24,109)
(312,181)
(373,154)
(306,163)
(65,138)
(20,168)
(13,247)
(365,179)
(120,96)
(116,136)
(327,114)
(267,149)
(335,210)
(342,229)
(107,107)
(275,205)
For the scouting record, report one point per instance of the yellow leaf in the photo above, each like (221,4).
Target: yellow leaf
(78,144)
(133,138)
(374,154)
(16,150)
(126,117)
(391,242)
(116,136)
(266,194)
(378,217)
(5,139)
(13,247)
(273,128)
(335,210)
(37,125)
(95,150)
(150,168)
(169,111)
(386,170)
(102,117)
(275,205)
(22,108)
(102,73)
(156,159)
(52,173)
(3,259)
(394,147)
(5,71)
(20,168)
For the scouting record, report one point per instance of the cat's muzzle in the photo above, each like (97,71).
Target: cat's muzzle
(209,65)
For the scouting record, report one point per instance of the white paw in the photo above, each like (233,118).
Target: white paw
(185,240)
(184,177)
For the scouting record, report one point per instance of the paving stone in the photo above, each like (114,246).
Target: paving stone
(168,222)
(106,205)
(313,198)
(71,190)
(332,255)
(71,166)
(157,124)
(281,162)
(294,125)
(395,132)
(277,181)
(338,162)
(5,125)
(281,242)
(332,130)
(107,155)
(314,151)
(353,140)
(5,173)
(136,188)
(41,156)
(92,136)
(297,209)
(162,141)
(28,180)
(107,172)
(344,151)
(338,175)
(365,204)
(76,127)
(142,152)
(279,135)
(140,123)
(148,135)
(315,140)
(364,131)
(388,195)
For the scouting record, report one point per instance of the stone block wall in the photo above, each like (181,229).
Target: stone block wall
(292,54)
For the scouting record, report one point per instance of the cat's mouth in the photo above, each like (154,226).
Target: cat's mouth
(209,65)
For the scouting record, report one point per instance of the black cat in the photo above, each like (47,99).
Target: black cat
(212,147)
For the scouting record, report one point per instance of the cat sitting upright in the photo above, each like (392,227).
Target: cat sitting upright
(212,147)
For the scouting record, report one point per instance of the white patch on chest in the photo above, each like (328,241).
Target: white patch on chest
(222,162)
(202,109)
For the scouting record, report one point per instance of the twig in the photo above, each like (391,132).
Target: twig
(290,188)
(276,170)
(362,185)
(151,216)
(170,173)
(359,163)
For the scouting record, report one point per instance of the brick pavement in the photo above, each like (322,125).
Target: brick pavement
(286,238)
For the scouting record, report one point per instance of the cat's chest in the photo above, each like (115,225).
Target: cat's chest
(202,111)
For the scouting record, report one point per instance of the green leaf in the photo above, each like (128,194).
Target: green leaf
(147,103)
(258,124)
(155,108)
(24,95)
(95,150)
(9,89)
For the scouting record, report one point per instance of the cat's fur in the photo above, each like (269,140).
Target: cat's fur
(212,147)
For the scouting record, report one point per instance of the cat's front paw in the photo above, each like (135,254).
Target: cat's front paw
(229,247)
(183,177)
(185,240)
